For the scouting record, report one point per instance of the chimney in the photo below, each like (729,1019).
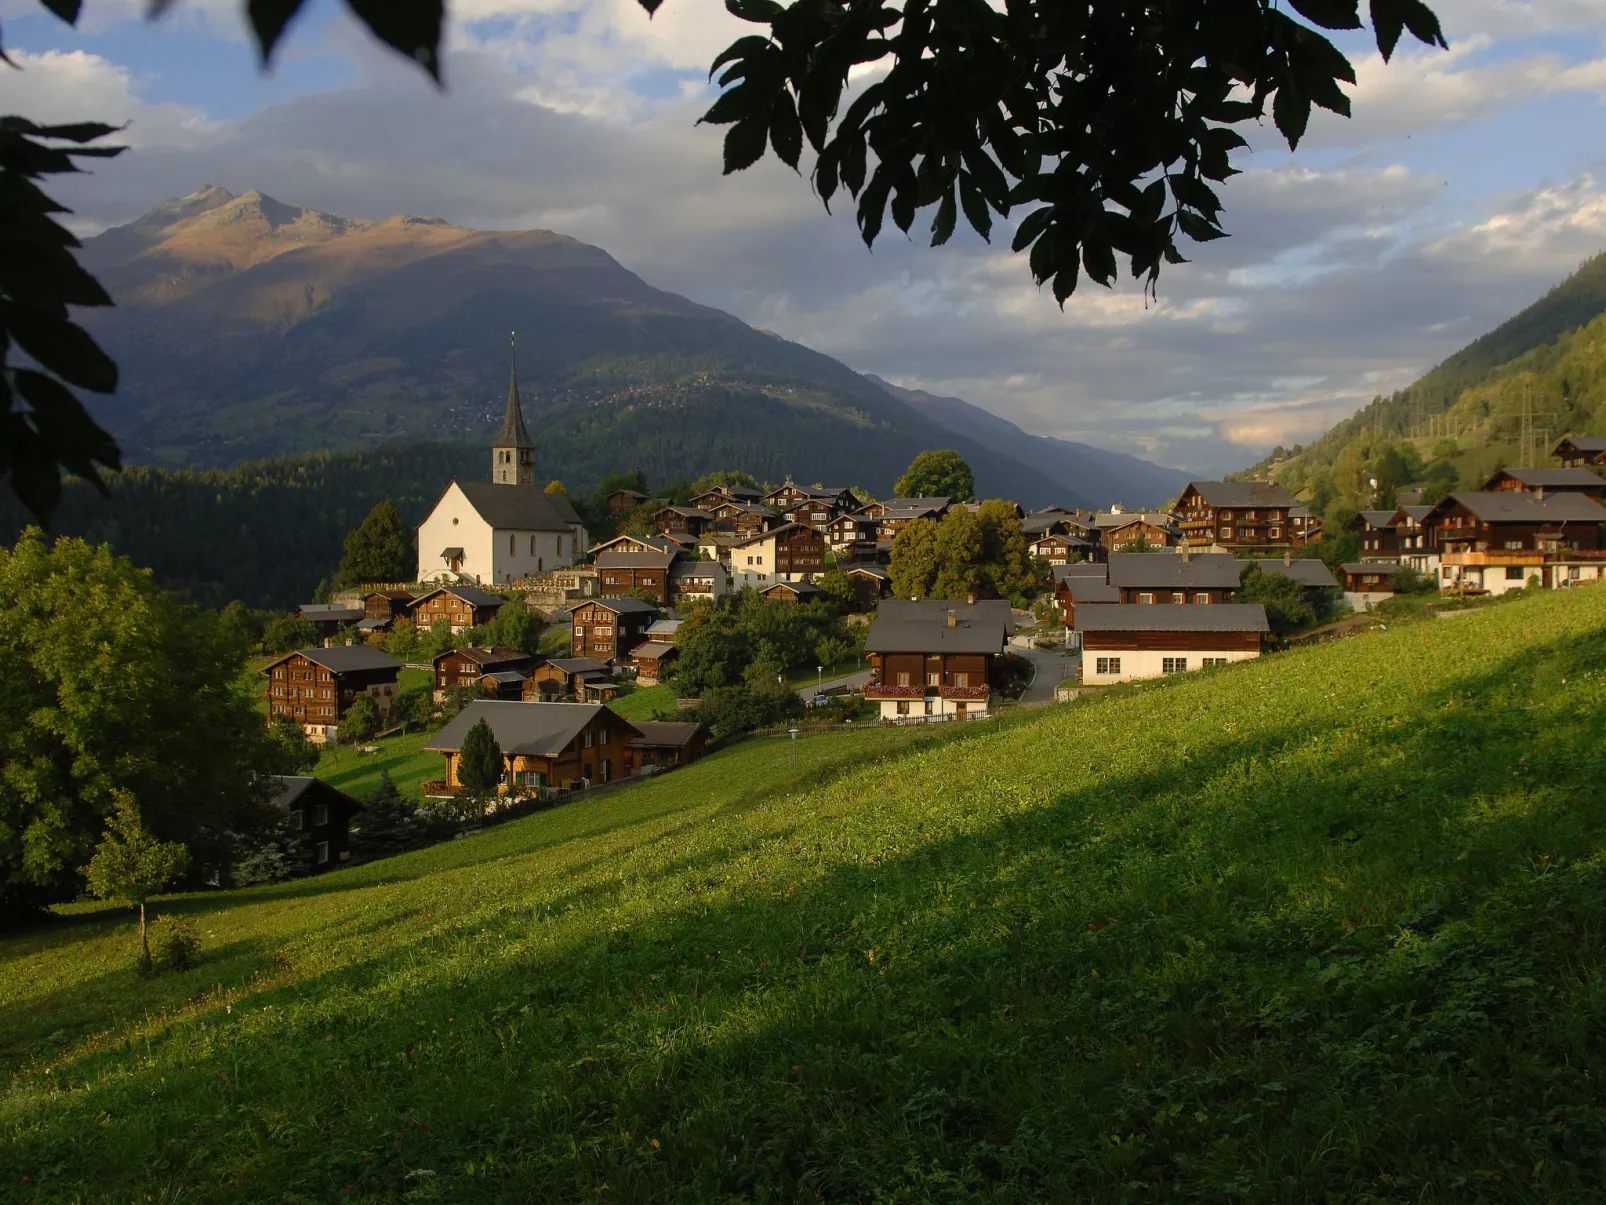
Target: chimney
(1187,553)
(970,600)
(953,618)
(1288,556)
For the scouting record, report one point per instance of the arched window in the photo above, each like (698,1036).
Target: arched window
(512,550)
(532,545)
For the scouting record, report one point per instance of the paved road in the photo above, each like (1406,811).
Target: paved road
(1052,668)
(851,682)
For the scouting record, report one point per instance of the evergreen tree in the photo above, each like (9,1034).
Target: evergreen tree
(380,549)
(287,633)
(479,762)
(271,854)
(130,865)
(516,626)
(938,474)
(387,823)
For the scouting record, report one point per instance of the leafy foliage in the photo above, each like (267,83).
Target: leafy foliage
(362,719)
(982,553)
(1107,122)
(271,853)
(44,428)
(130,865)
(291,753)
(382,548)
(111,684)
(747,640)
(1287,607)
(937,474)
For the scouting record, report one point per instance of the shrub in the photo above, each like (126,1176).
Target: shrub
(175,946)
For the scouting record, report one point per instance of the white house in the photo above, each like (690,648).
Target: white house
(502,530)
(1122,642)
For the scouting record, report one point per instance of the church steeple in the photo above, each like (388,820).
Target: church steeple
(513,453)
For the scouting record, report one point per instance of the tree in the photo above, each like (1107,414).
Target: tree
(937,474)
(1287,608)
(130,865)
(725,477)
(362,719)
(1107,119)
(438,639)
(402,639)
(288,632)
(380,549)
(108,683)
(837,587)
(516,626)
(479,762)
(291,752)
(413,705)
(914,560)
(387,823)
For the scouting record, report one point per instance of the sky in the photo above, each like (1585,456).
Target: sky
(1466,184)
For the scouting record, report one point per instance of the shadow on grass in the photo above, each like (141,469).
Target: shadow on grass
(1355,962)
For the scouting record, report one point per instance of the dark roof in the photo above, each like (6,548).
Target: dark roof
(452,553)
(1376,518)
(519,507)
(1173,571)
(1242,493)
(624,606)
(371,625)
(332,612)
(1515,506)
(759,536)
(506,675)
(684,568)
(1586,443)
(688,511)
(513,434)
(904,626)
(529,729)
(1307,571)
(482,656)
(631,492)
(578,665)
(917,503)
(652,650)
(1385,568)
(1417,512)
(1096,569)
(868,571)
(1577,475)
(801,588)
(665,734)
(652,559)
(344,659)
(404,595)
(290,789)
(473,595)
(1139,617)
(1091,590)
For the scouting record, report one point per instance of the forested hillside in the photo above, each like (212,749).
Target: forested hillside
(1335,938)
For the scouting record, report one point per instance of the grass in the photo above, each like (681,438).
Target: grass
(403,756)
(643,702)
(1322,927)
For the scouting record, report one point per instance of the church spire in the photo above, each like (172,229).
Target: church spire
(513,453)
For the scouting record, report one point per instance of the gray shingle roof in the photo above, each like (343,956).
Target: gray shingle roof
(869,571)
(1138,617)
(519,507)
(904,626)
(636,560)
(652,650)
(917,503)
(289,789)
(803,589)
(1091,590)
(626,606)
(1514,506)
(665,734)
(1307,571)
(1243,493)
(1417,512)
(1377,518)
(483,656)
(528,729)
(1096,569)
(578,665)
(1172,571)
(346,658)
(1577,477)
(472,595)
(1382,568)
(1587,443)
(331,612)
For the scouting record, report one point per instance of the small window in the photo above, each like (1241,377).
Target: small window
(1515,573)
(1275,532)
(1145,598)
(323,852)
(511,549)
(320,814)
(1226,533)
(1173,665)
(301,820)
(903,679)
(961,679)
(1108,665)
(607,736)
(933,679)
(532,545)
(903,707)
(1179,597)
(1201,598)
(587,740)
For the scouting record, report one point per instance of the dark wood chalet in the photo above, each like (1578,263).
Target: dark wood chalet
(657,543)
(1238,515)
(1410,536)
(1515,521)
(1306,526)
(469,665)
(901,512)
(332,618)
(386,606)
(1380,539)
(622,502)
(1575,480)
(669,743)
(606,628)
(1084,582)
(793,592)
(697,581)
(320,815)
(316,687)
(783,553)
(622,573)
(652,660)
(1175,577)
(545,745)
(460,606)
(1061,548)
(728,493)
(685,521)
(935,659)
(814,505)
(742,518)
(852,535)
(568,678)
(1369,577)
(870,585)
(1578,450)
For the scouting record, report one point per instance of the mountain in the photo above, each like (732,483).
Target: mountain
(1092,472)
(248,328)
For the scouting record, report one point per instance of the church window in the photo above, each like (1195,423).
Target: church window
(532,545)
(511,550)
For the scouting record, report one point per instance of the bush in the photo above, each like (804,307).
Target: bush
(175,946)
(387,823)
(270,855)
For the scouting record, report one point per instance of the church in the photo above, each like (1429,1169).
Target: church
(493,532)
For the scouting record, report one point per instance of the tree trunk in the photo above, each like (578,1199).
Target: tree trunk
(144,939)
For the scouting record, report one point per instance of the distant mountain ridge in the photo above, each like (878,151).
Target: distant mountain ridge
(246,327)
(1107,477)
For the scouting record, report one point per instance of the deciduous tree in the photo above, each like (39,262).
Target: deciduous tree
(937,474)
(130,865)
(381,548)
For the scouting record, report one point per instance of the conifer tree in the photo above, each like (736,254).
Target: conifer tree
(387,824)
(380,548)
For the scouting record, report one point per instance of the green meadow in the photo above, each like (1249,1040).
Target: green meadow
(1323,927)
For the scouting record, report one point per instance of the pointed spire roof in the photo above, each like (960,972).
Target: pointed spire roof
(513,433)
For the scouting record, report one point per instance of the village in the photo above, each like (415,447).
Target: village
(1123,596)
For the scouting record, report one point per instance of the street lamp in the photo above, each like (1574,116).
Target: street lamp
(793,731)
(819,680)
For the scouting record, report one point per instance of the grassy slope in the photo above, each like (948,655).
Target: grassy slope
(1322,926)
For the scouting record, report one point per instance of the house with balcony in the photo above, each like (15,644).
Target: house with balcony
(1174,577)
(1577,450)
(1574,480)
(1379,539)
(936,659)
(1124,642)
(1239,516)
(1491,543)
(1413,539)
(792,552)
(544,745)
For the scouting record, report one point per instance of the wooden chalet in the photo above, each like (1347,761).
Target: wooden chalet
(558,678)
(1412,538)
(1248,516)
(697,581)
(1495,542)
(793,592)
(1380,540)
(622,502)
(900,512)
(1307,527)
(1578,450)
(1134,531)
(652,660)
(852,535)
(320,814)
(1060,548)
(627,543)
(381,608)
(870,585)
(708,499)
(791,552)
(460,606)
(1082,582)
(316,687)
(331,618)
(936,659)
(812,505)
(742,518)
(683,521)
(606,628)
(545,744)
(1368,582)
(1122,642)
(1575,480)
(622,573)
(497,668)
(669,743)
(1180,577)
